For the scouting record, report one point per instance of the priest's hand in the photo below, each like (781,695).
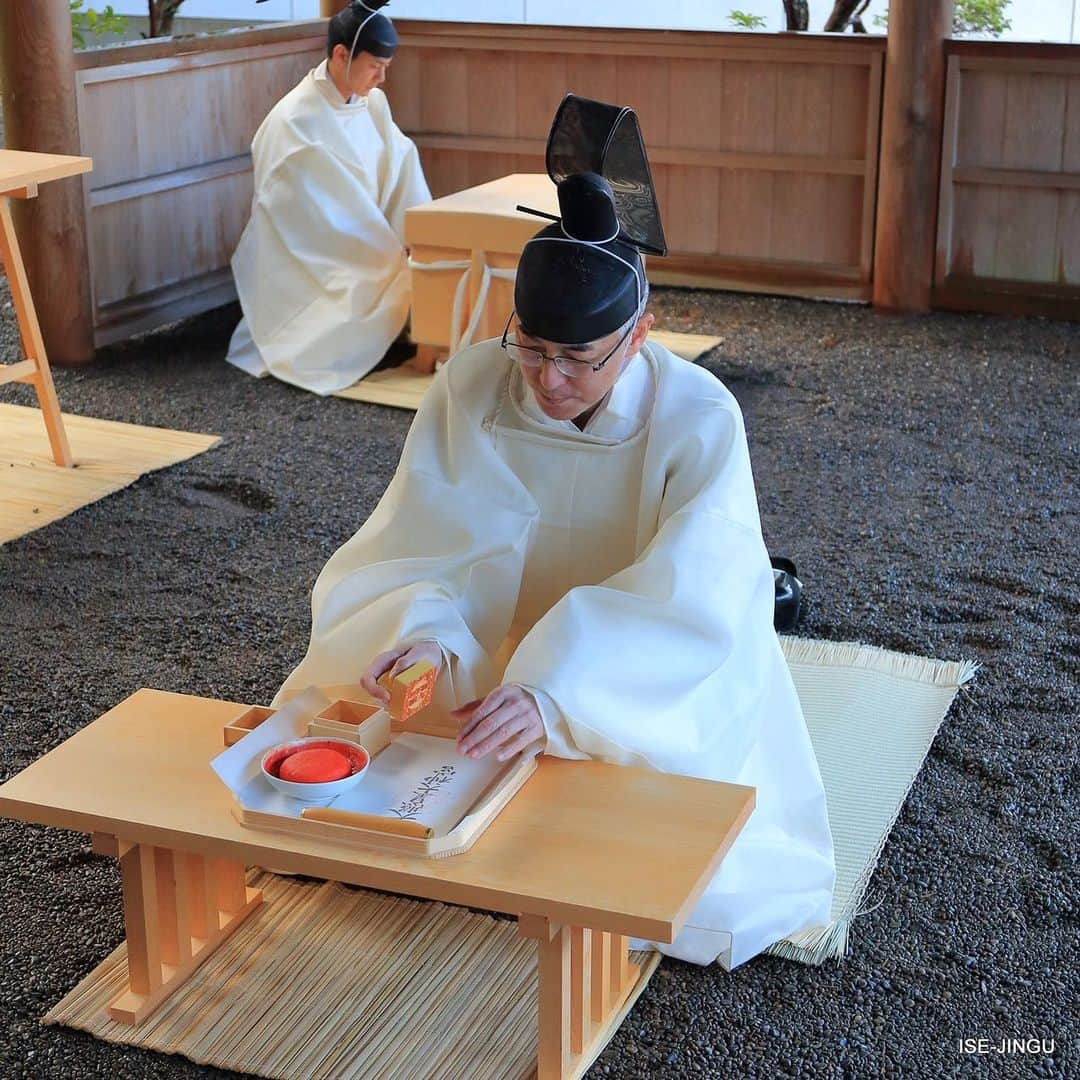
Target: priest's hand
(394,661)
(507,721)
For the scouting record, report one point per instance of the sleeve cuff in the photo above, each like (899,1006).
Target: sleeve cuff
(558,741)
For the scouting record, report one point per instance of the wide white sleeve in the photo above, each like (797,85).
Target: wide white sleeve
(662,664)
(440,557)
(402,183)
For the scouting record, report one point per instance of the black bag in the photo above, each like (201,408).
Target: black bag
(788,604)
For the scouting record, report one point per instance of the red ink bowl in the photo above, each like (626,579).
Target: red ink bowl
(319,791)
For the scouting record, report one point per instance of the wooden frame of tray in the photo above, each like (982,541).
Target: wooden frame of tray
(372,727)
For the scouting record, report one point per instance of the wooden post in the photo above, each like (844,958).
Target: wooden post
(910,161)
(585,977)
(178,908)
(37,65)
(330,7)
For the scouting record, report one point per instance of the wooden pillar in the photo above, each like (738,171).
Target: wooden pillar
(37,64)
(330,7)
(910,163)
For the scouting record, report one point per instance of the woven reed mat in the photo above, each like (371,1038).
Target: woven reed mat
(872,715)
(108,456)
(332,982)
(403,387)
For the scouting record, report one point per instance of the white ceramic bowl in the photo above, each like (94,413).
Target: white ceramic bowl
(323,792)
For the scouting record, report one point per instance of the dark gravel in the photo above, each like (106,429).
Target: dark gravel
(917,469)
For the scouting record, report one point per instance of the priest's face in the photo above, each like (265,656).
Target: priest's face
(361,76)
(563,397)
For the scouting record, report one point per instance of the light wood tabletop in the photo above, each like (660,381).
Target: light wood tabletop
(582,843)
(485,216)
(20,168)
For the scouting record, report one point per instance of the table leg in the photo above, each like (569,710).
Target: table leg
(178,908)
(38,372)
(586,979)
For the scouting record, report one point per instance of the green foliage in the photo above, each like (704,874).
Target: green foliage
(971,17)
(89,21)
(744,20)
(980,17)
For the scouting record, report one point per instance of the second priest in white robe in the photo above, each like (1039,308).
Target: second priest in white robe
(321,268)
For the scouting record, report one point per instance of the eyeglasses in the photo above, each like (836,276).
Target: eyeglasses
(529,357)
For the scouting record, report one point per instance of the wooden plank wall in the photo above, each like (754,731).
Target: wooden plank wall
(763,147)
(1009,211)
(764,150)
(170,130)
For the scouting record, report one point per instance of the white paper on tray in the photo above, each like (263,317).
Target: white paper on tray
(421,778)
(418,777)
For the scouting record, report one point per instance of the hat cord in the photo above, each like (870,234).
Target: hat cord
(356,36)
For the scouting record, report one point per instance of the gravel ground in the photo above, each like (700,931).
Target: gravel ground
(916,469)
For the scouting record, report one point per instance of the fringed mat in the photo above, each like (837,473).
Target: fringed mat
(332,982)
(108,456)
(403,387)
(872,715)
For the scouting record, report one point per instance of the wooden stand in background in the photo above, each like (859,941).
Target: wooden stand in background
(20,174)
(464,250)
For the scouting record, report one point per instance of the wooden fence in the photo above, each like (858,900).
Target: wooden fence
(764,147)
(1009,214)
(169,128)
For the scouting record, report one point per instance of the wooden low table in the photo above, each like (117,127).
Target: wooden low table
(20,174)
(586,855)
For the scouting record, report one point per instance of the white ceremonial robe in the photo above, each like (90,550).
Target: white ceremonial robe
(321,269)
(628,563)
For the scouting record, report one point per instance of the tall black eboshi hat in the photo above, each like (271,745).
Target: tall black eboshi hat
(581,278)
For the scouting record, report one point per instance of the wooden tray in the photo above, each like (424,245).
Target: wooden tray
(372,727)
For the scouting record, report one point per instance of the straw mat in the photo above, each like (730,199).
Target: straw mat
(108,456)
(872,715)
(327,981)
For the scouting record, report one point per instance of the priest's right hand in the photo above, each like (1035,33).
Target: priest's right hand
(396,660)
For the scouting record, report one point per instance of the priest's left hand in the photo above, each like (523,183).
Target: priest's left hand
(507,720)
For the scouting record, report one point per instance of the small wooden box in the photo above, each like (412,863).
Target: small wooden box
(247,721)
(477,227)
(342,719)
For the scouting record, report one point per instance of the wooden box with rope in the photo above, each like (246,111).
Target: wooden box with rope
(463,252)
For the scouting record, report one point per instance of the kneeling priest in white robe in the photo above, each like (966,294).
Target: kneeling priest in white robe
(321,268)
(586,498)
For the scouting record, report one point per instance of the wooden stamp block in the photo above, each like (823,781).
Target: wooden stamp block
(410,690)
(247,721)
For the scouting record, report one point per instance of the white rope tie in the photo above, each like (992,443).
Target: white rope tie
(462,337)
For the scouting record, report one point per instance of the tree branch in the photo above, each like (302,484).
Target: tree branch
(798,14)
(842,14)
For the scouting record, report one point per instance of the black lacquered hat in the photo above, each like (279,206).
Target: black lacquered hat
(581,278)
